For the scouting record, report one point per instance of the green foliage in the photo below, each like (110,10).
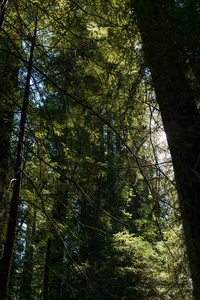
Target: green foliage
(91,160)
(137,267)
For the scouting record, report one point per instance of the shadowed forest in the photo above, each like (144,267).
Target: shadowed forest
(99,149)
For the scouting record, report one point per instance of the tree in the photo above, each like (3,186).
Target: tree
(90,166)
(10,235)
(166,29)
(9,82)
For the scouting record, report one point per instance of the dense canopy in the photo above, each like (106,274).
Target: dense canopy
(99,149)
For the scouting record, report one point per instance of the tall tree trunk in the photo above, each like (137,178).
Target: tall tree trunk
(180,115)
(28,259)
(9,70)
(47,270)
(8,82)
(8,248)
(55,251)
(55,281)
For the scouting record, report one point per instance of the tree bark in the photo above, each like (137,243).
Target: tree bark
(25,290)
(55,251)
(9,70)
(47,270)
(8,82)
(181,120)
(8,248)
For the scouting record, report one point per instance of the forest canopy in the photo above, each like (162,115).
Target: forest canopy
(99,149)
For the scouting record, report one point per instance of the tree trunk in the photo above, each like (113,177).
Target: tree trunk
(181,120)
(28,259)
(8,248)
(9,82)
(55,251)
(47,270)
